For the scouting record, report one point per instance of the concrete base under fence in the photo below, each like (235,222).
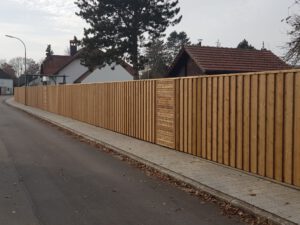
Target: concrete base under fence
(279,203)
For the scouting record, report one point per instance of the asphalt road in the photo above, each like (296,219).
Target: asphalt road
(50,178)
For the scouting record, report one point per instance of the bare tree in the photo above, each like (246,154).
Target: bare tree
(293,46)
(8,69)
(293,53)
(2,61)
(17,64)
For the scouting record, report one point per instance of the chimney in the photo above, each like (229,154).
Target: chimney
(263,46)
(200,42)
(73,46)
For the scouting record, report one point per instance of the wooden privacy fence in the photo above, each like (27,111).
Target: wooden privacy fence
(247,121)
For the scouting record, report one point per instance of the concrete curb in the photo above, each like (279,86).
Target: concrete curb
(220,195)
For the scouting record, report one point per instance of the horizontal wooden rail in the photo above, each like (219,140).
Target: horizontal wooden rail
(247,121)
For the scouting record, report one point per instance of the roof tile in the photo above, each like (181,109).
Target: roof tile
(54,63)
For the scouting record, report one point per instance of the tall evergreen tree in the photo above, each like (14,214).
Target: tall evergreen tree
(49,51)
(245,45)
(120,29)
(156,56)
(175,42)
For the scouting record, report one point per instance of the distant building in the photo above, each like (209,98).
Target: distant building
(6,83)
(202,60)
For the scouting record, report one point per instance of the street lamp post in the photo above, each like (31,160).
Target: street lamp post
(25,62)
(25,59)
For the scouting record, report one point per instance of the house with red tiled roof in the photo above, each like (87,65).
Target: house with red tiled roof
(68,69)
(53,62)
(203,60)
(75,72)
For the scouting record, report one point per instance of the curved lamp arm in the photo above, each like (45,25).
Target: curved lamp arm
(25,59)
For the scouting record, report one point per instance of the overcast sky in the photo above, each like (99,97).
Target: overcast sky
(42,22)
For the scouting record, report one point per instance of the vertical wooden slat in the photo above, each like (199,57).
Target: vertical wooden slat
(190,114)
(270,126)
(117,105)
(129,122)
(143,110)
(226,118)
(96,105)
(139,110)
(181,81)
(113,108)
(233,104)
(199,117)
(101,97)
(153,110)
(147,110)
(220,125)
(133,115)
(204,117)
(296,145)
(239,123)
(262,125)
(194,117)
(126,107)
(178,115)
(288,127)
(209,119)
(246,124)
(123,107)
(150,109)
(278,144)
(214,118)
(185,123)
(136,86)
(253,123)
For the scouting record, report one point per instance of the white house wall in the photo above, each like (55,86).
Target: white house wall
(73,71)
(106,74)
(7,85)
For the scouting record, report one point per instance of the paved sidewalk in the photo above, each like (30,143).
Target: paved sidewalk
(277,202)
